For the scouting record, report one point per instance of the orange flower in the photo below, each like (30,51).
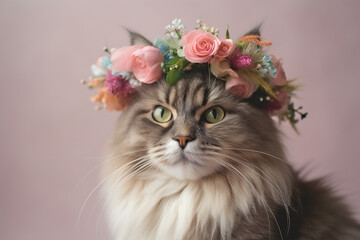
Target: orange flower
(255,38)
(96,82)
(110,101)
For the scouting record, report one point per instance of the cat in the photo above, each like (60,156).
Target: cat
(190,177)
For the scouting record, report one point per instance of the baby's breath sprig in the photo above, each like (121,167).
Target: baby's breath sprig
(176,29)
(206,28)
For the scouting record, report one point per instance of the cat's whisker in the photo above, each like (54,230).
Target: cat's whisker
(156,149)
(250,150)
(138,166)
(102,182)
(256,151)
(139,171)
(106,161)
(134,170)
(133,167)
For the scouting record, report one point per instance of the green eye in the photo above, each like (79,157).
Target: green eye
(161,114)
(214,115)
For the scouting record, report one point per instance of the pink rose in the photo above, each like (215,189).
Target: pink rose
(143,61)
(280,77)
(225,48)
(121,58)
(199,46)
(235,84)
(147,64)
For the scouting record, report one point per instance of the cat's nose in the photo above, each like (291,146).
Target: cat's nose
(183,140)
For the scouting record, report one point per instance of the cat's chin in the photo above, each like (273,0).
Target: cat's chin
(186,170)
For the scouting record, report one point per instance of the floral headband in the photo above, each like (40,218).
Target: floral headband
(248,70)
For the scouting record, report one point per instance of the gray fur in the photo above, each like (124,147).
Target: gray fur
(255,30)
(138,39)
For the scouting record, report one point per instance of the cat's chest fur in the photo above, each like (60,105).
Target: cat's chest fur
(165,208)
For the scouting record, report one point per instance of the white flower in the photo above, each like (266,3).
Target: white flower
(176,22)
(174,42)
(173,34)
(134,82)
(175,29)
(97,71)
(181,29)
(170,28)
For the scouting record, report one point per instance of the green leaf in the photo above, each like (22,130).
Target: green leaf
(178,62)
(173,76)
(227,33)
(173,61)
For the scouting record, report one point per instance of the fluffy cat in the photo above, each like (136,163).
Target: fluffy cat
(190,178)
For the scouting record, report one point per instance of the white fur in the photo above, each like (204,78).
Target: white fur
(166,208)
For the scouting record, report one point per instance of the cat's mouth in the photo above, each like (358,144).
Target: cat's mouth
(183,158)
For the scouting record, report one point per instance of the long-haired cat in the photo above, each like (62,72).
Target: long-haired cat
(191,178)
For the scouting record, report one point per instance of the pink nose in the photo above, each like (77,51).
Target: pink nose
(183,140)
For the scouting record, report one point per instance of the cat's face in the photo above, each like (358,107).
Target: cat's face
(195,128)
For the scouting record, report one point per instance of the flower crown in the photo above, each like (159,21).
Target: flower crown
(248,70)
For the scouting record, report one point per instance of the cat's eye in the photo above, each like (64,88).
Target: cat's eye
(161,114)
(214,115)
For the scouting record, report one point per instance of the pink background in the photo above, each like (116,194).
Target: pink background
(50,136)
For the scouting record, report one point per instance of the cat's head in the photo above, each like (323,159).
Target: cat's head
(195,128)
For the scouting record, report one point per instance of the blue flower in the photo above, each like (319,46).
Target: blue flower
(164,48)
(105,61)
(99,69)
(268,65)
(267,59)
(162,45)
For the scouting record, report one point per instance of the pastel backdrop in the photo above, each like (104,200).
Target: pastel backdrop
(51,137)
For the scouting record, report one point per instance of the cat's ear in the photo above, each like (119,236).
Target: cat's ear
(254,31)
(138,39)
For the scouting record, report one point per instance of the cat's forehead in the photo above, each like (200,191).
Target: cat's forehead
(190,92)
